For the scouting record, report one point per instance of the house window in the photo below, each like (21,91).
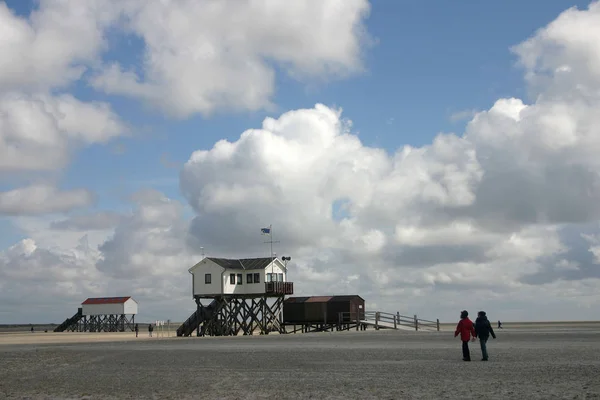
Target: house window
(232,279)
(248,278)
(207,279)
(279,277)
(256,278)
(269,277)
(239,281)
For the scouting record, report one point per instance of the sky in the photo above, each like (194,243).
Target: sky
(430,157)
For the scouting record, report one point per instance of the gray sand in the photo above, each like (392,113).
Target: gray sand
(532,364)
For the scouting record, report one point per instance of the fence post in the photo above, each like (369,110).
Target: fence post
(377,320)
(438,324)
(416,323)
(395,322)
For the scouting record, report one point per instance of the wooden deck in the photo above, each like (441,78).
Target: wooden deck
(283,288)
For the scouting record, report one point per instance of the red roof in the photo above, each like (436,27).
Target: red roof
(106,300)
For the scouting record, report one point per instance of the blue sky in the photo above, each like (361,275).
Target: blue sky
(430,61)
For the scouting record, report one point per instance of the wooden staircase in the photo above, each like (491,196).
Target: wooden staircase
(194,321)
(70,322)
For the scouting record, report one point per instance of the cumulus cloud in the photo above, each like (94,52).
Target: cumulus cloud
(88,222)
(54,46)
(42,199)
(42,55)
(145,256)
(496,212)
(40,281)
(482,210)
(201,57)
(151,242)
(37,132)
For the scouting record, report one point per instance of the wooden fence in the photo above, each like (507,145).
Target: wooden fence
(389,320)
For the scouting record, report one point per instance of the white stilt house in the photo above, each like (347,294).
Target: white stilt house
(247,296)
(213,277)
(102,314)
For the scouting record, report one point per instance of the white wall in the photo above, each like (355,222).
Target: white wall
(245,287)
(251,288)
(131,307)
(277,268)
(199,270)
(103,309)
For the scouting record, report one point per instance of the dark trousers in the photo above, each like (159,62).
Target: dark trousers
(483,344)
(466,352)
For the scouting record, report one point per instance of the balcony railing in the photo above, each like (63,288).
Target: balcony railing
(279,288)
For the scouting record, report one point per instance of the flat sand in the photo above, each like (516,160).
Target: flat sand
(552,362)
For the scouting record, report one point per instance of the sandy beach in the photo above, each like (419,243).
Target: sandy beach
(533,362)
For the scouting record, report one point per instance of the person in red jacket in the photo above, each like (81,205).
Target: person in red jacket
(466,329)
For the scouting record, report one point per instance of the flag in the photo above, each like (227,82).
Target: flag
(265,231)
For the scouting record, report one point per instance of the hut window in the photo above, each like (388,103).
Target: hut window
(248,278)
(239,280)
(280,277)
(207,279)
(269,277)
(256,278)
(232,279)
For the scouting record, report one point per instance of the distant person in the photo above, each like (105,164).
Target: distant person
(32,329)
(150,329)
(466,330)
(499,325)
(483,329)
(137,329)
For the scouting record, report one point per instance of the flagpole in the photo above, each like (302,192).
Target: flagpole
(270,233)
(271,237)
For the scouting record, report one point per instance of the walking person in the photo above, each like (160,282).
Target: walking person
(466,330)
(483,329)
(137,329)
(499,324)
(150,329)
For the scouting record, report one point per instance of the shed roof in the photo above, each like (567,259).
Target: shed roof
(346,297)
(318,299)
(106,300)
(242,263)
(323,299)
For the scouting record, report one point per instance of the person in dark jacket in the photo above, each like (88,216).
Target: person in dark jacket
(483,329)
(466,330)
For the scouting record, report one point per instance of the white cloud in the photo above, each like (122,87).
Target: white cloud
(42,199)
(38,132)
(151,242)
(485,209)
(42,55)
(145,256)
(88,222)
(54,46)
(201,56)
(485,213)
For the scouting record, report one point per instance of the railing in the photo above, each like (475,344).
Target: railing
(197,317)
(279,287)
(69,321)
(189,325)
(389,320)
(346,317)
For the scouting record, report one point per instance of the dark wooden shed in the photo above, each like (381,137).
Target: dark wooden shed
(322,309)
